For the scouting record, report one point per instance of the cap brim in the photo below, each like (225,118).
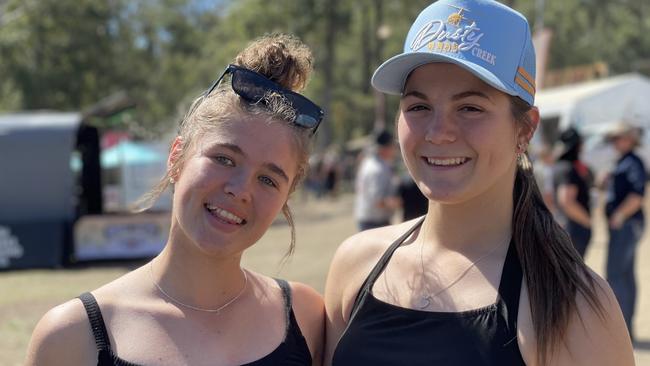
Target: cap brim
(390,76)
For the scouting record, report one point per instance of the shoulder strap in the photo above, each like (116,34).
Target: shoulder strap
(510,287)
(286,295)
(379,268)
(96,321)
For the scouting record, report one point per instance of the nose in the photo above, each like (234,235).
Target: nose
(238,186)
(440,130)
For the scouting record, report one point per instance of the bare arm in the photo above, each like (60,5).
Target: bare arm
(62,337)
(310,313)
(567,200)
(592,340)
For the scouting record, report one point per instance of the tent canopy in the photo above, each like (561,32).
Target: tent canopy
(597,102)
(129,153)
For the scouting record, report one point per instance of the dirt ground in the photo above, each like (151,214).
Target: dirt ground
(321,226)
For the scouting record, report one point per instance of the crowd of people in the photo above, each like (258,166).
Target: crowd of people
(484,268)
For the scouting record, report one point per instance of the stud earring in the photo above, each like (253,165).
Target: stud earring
(521,147)
(171,180)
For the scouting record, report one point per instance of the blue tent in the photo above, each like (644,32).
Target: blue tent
(129,153)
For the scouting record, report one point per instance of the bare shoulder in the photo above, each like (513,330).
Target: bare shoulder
(66,326)
(357,255)
(310,313)
(352,262)
(597,337)
(61,329)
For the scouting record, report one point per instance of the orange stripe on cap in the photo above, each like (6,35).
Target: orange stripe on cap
(526,75)
(525,85)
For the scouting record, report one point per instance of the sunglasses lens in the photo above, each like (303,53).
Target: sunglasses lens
(253,87)
(248,86)
(306,121)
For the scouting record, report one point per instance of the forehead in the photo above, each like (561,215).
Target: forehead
(445,76)
(257,137)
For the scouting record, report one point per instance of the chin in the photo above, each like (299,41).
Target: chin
(446,194)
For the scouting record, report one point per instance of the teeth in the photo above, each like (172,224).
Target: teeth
(446,162)
(225,214)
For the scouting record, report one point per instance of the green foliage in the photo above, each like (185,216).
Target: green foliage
(69,54)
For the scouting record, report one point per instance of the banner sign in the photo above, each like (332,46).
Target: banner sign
(120,236)
(10,247)
(32,244)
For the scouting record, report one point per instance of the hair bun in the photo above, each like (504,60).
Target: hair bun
(282,58)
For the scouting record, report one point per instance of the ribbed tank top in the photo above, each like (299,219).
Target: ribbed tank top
(292,351)
(382,334)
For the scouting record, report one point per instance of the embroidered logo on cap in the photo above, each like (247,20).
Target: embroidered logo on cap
(452,36)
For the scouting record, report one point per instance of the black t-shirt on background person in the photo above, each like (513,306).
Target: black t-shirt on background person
(414,203)
(572,173)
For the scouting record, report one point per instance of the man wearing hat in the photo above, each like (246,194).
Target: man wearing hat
(624,212)
(571,181)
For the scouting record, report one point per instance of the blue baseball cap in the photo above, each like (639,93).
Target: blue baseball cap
(487,38)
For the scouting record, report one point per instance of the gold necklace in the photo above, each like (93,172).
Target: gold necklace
(178,302)
(426,299)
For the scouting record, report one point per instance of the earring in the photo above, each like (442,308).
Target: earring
(521,147)
(171,180)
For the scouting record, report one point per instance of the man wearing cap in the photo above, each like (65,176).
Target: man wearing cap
(624,212)
(375,191)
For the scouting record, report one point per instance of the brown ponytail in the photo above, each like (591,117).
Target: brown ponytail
(553,270)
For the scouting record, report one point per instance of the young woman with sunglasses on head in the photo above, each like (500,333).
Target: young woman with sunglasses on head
(486,277)
(240,153)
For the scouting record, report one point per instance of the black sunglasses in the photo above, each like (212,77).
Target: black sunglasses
(253,87)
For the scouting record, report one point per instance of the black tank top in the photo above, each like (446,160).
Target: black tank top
(292,351)
(382,334)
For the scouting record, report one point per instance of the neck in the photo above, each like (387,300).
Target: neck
(477,224)
(195,278)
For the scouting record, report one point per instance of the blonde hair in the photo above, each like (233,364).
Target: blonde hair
(283,59)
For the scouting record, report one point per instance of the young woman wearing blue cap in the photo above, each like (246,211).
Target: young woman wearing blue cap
(486,277)
(240,152)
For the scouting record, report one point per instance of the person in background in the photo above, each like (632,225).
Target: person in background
(413,202)
(572,182)
(241,151)
(624,211)
(375,200)
(487,276)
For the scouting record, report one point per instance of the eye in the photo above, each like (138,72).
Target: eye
(470,108)
(417,108)
(266,180)
(224,160)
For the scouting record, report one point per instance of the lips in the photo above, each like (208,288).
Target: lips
(446,162)
(224,215)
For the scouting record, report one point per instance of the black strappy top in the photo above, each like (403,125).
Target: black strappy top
(292,351)
(382,334)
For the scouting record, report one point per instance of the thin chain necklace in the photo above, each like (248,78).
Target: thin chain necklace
(426,299)
(178,302)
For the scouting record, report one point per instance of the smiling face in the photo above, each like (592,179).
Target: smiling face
(457,134)
(234,182)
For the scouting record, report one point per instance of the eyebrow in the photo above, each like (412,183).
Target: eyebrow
(270,166)
(414,93)
(465,94)
(470,93)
